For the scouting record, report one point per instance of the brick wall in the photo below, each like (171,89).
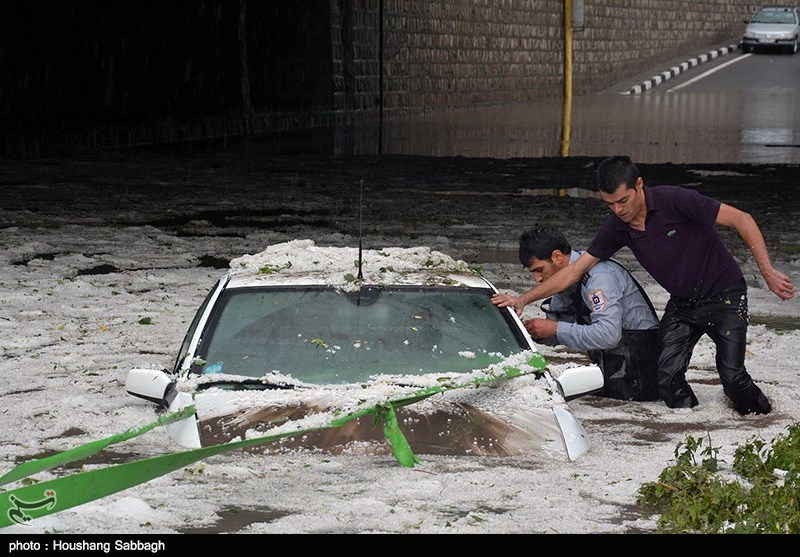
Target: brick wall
(453,52)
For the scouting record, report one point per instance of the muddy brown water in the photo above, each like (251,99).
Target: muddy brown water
(233,519)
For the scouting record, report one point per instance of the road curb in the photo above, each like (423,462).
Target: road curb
(676,70)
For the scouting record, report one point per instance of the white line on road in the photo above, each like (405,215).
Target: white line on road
(709,72)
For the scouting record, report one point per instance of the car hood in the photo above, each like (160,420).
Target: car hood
(220,394)
(771,28)
(520,415)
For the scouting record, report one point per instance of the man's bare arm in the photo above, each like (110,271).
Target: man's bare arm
(747,228)
(559,282)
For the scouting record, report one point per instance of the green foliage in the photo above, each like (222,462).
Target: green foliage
(270,269)
(691,496)
(319,342)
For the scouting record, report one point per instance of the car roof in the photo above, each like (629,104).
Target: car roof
(302,279)
(303,263)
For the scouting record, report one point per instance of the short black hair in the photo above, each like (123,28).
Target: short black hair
(613,171)
(540,242)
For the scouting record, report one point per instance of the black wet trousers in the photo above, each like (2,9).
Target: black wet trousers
(630,370)
(724,318)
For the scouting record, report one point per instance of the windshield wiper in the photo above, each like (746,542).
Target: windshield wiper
(246,385)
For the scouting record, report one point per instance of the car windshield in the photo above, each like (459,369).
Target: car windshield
(774,16)
(328,336)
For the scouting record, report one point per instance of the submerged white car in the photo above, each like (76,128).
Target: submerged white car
(299,333)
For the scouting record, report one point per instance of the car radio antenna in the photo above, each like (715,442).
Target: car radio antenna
(360,209)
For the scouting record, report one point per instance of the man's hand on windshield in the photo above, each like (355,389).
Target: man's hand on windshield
(507,300)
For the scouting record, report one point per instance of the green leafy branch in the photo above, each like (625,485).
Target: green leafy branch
(270,269)
(691,496)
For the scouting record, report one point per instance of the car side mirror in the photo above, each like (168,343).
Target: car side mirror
(575,382)
(151,384)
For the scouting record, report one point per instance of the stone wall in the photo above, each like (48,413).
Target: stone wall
(355,37)
(454,52)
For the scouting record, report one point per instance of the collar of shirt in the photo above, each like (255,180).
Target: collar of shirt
(574,256)
(651,202)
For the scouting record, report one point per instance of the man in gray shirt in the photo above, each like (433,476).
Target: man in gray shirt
(606,314)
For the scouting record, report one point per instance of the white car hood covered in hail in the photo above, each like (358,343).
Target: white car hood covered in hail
(529,391)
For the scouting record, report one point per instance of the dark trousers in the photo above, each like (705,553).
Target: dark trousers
(724,318)
(630,369)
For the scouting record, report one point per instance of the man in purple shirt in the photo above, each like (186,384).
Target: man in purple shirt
(671,231)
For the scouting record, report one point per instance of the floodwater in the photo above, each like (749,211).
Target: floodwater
(472,208)
(753,127)
(118,239)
